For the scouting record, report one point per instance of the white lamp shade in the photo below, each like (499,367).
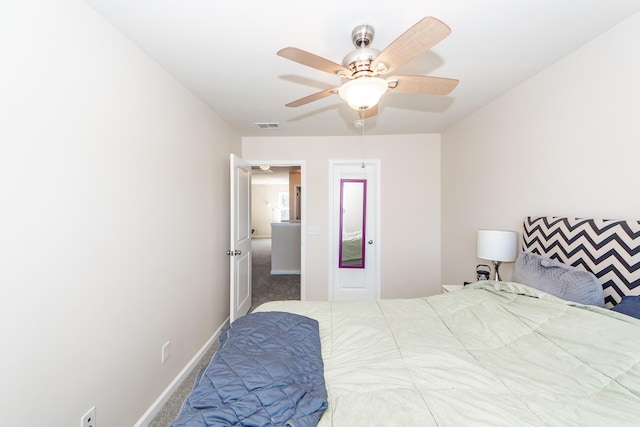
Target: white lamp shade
(363,93)
(497,245)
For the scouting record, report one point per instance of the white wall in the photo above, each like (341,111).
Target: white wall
(564,143)
(264,199)
(410,200)
(113,220)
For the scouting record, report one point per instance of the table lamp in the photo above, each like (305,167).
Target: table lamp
(497,246)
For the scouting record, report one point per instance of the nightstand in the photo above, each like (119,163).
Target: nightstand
(451,288)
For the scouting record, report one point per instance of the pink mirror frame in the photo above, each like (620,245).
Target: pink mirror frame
(351,253)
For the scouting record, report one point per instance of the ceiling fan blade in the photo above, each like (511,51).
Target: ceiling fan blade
(314,61)
(313,97)
(369,112)
(422,84)
(418,39)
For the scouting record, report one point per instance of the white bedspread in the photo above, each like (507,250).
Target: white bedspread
(493,354)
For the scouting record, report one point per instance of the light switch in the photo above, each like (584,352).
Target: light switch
(314,229)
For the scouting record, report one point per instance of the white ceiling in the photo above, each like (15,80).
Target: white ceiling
(274,176)
(225,52)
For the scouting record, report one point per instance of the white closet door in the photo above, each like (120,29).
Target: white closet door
(348,284)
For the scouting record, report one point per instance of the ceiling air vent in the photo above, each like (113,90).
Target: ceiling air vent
(268,125)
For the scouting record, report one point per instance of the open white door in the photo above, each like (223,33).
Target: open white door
(240,244)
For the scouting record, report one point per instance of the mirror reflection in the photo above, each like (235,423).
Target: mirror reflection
(353,194)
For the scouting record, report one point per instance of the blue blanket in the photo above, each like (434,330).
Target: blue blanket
(267,372)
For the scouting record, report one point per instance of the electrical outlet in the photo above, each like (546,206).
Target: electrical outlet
(89,419)
(166,351)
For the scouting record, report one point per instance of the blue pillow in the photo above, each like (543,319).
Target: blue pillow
(558,279)
(630,305)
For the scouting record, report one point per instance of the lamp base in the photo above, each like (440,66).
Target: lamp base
(496,266)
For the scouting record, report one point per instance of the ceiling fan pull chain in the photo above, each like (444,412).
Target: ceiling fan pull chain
(362,144)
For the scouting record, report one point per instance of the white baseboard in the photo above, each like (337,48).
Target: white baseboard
(166,394)
(275,272)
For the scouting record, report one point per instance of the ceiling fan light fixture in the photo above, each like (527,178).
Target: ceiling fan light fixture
(363,93)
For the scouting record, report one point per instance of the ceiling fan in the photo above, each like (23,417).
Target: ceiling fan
(363,67)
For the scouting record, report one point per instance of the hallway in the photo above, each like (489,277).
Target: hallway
(265,286)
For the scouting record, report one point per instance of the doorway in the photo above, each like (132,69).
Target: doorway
(277,211)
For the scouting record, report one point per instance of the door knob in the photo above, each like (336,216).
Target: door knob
(229,252)
(237,252)
(370,242)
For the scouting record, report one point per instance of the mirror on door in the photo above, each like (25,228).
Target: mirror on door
(353,202)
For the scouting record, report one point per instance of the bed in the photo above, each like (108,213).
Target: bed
(498,354)
(494,353)
(352,246)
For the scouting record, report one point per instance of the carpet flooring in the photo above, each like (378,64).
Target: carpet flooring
(264,287)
